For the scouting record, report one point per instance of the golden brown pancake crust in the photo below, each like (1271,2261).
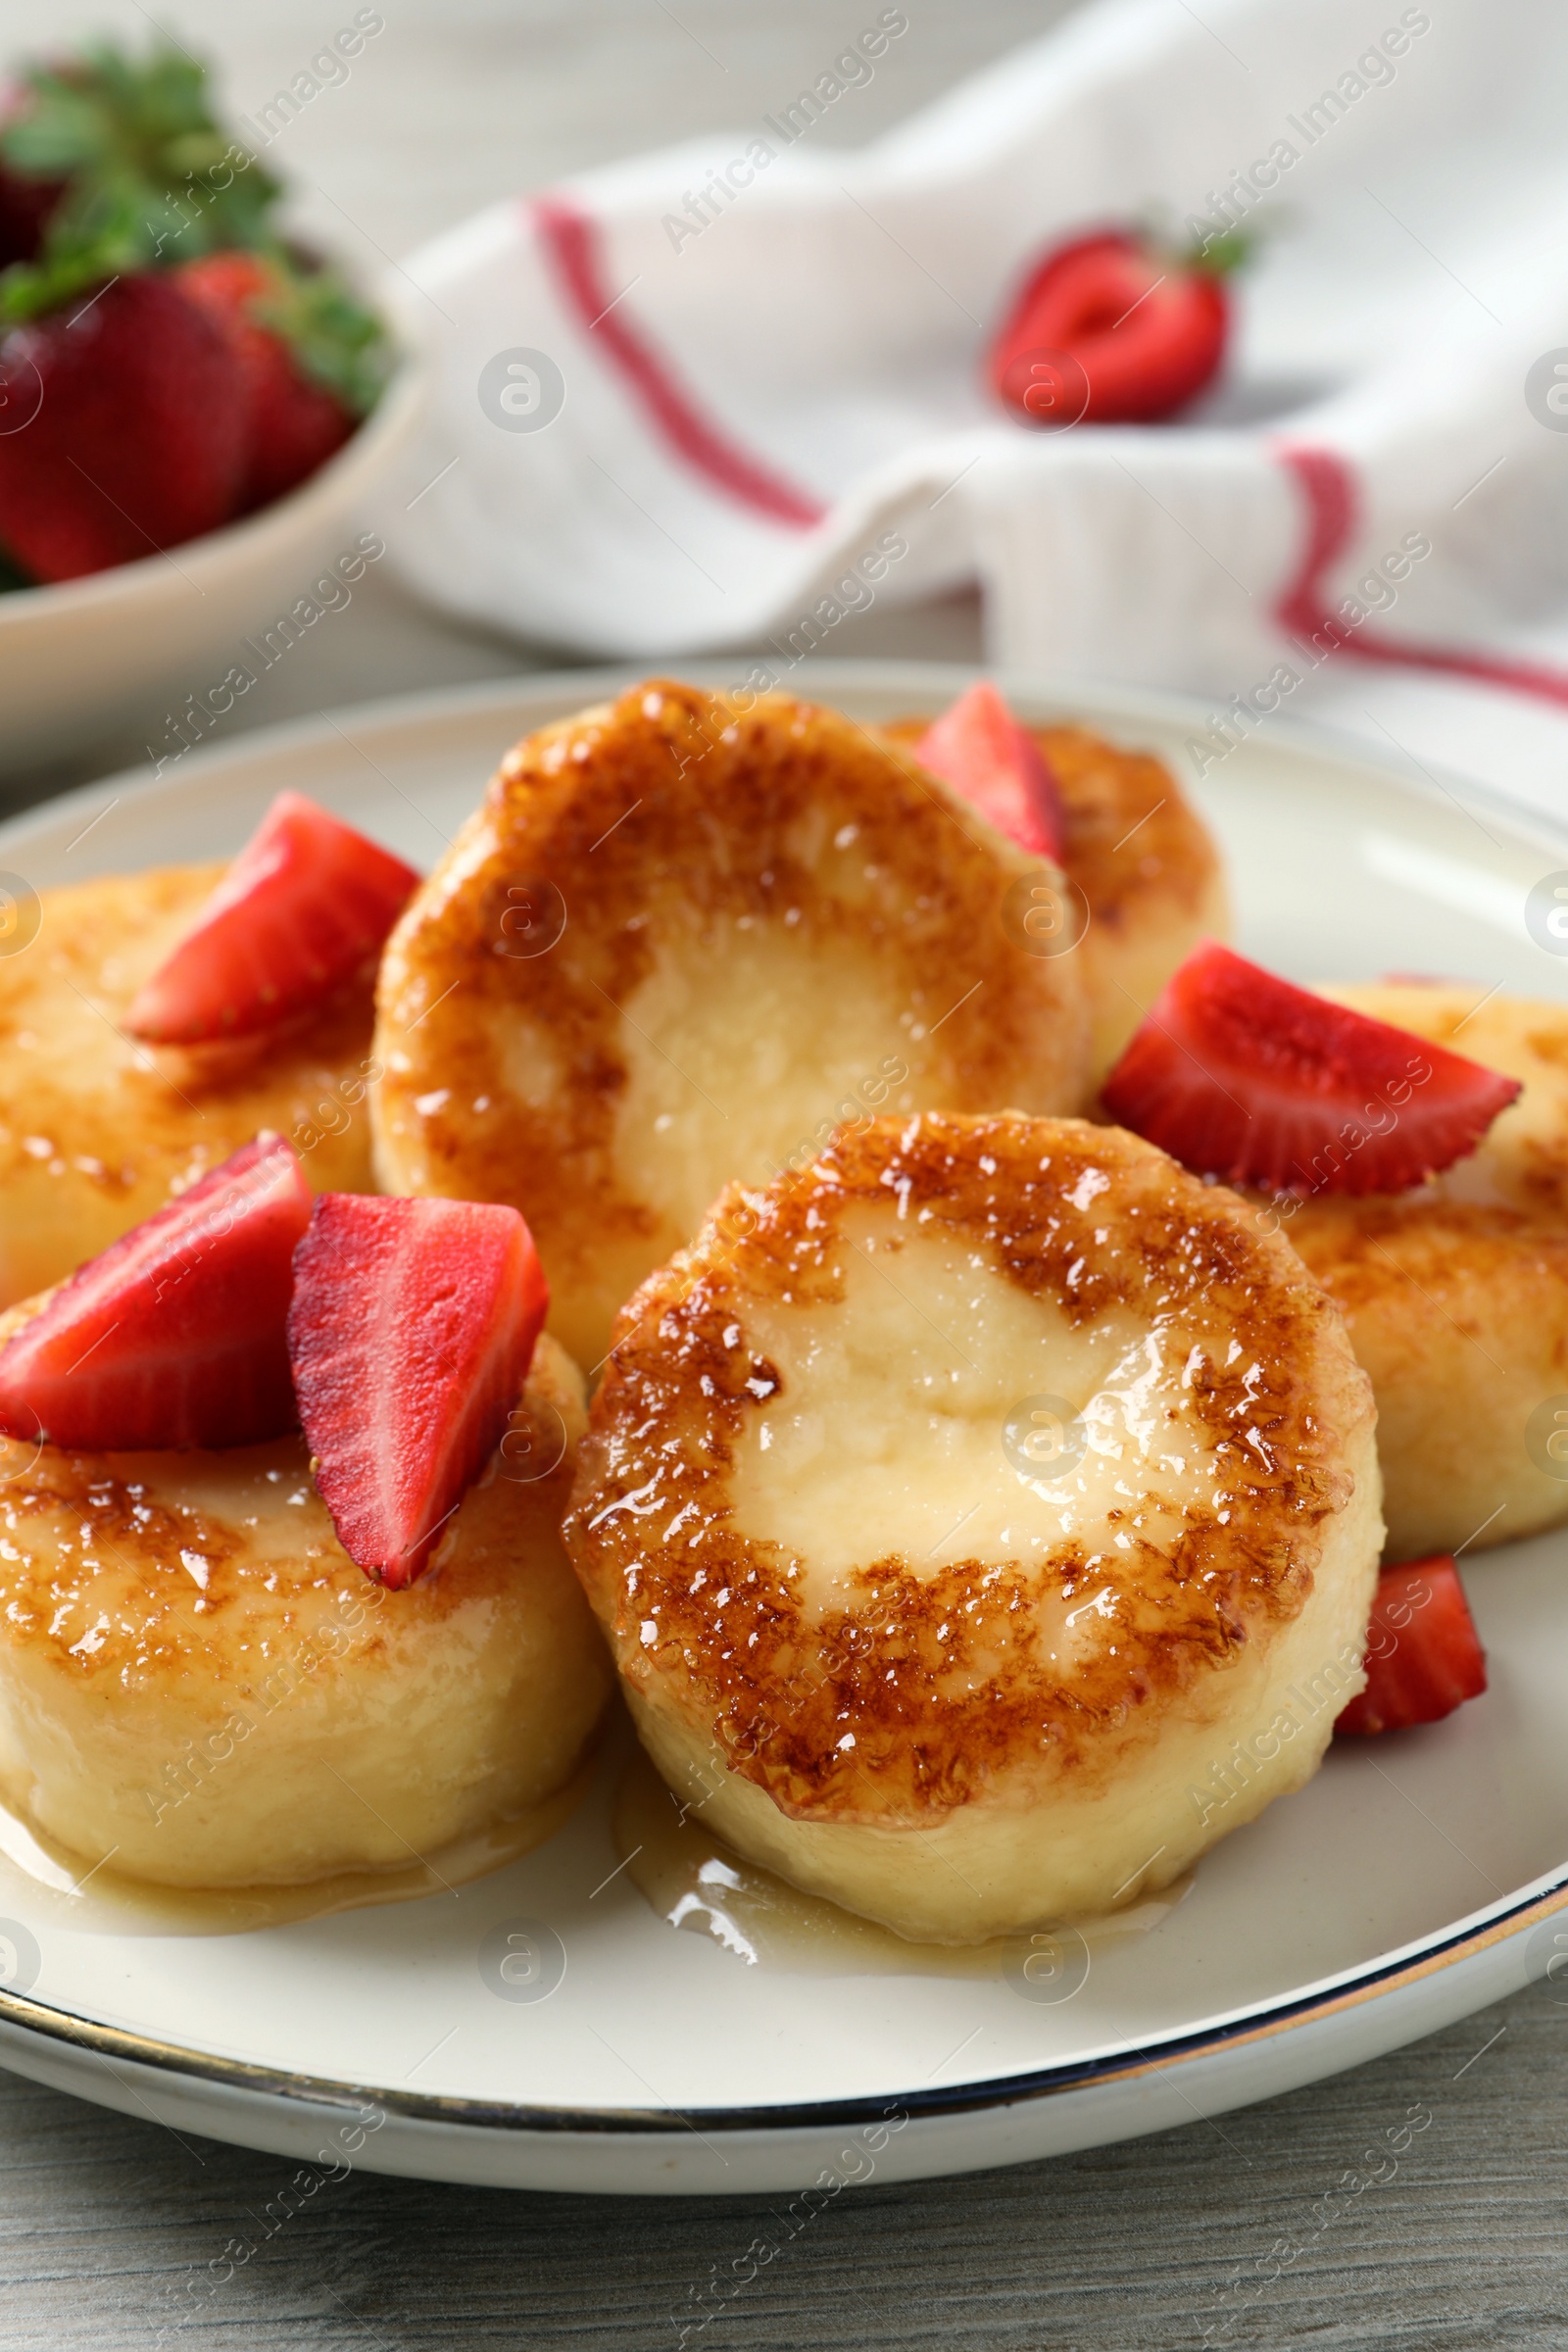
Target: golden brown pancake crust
(107,1598)
(1456,1293)
(164,1100)
(96,1129)
(676,813)
(904,1709)
(111,1567)
(1463,1253)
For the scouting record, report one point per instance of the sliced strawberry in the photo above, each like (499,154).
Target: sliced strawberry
(305,903)
(1108,331)
(979,748)
(411,1330)
(1423,1657)
(175,1334)
(1237,1075)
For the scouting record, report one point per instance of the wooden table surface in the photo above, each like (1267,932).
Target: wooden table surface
(104,2220)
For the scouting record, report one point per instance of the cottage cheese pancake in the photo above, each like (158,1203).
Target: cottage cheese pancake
(1455,1295)
(197,1682)
(678,943)
(97,1130)
(956,1506)
(1147,866)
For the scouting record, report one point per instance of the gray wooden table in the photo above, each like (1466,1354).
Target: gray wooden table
(104,2221)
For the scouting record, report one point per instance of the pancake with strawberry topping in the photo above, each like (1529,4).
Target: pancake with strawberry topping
(958,1505)
(1150,875)
(198,1684)
(1455,1292)
(1411,1139)
(200,1688)
(685,936)
(144,1037)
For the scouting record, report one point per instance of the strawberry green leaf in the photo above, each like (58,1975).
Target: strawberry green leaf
(151,179)
(335,340)
(1220,254)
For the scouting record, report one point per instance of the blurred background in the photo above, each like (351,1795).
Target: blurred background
(1403,315)
(458,102)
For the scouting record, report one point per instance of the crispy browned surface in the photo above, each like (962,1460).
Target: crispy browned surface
(675,817)
(96,1575)
(1455,1294)
(98,1586)
(941,1677)
(1471,1256)
(1134,844)
(96,1128)
(1458,1312)
(161,1101)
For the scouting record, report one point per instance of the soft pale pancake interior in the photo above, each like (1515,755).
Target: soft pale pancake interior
(714,1094)
(909,1383)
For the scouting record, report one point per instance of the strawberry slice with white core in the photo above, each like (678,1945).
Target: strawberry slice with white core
(1238,1074)
(411,1330)
(304,907)
(175,1334)
(1423,1655)
(979,748)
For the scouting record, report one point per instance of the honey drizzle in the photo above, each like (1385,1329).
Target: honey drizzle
(694,1881)
(99,1901)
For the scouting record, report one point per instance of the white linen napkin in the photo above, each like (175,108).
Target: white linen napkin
(733,391)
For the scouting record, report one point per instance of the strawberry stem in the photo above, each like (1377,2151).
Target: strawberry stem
(335,340)
(1220,256)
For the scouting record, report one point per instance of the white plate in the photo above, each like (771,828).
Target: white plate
(1410,1883)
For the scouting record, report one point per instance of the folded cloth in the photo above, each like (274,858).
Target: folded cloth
(733,391)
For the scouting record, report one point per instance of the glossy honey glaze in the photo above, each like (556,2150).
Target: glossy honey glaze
(698,1883)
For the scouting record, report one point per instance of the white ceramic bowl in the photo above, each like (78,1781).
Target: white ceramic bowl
(76,656)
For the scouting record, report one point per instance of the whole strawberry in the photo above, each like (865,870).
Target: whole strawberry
(136,432)
(294,421)
(1108,330)
(167,361)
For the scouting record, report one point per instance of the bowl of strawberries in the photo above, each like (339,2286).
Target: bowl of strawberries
(193,406)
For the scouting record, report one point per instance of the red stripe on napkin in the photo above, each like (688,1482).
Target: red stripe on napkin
(1329,488)
(571,240)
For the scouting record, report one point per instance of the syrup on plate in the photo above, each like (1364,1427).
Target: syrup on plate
(697,1883)
(38,1877)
